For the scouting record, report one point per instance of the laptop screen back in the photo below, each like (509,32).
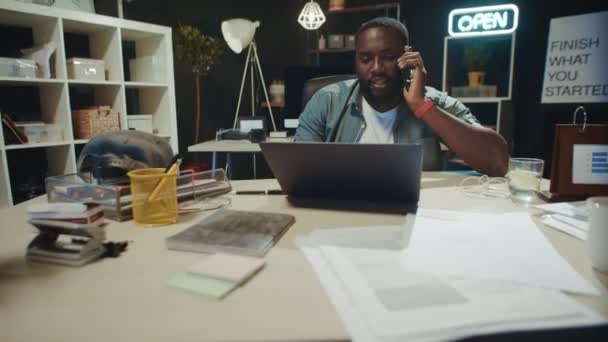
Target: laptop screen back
(347,171)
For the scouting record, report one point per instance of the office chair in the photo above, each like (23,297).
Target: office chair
(312,85)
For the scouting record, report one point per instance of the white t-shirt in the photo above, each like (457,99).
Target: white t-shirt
(379,128)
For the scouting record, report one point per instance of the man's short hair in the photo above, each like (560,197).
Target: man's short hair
(386,22)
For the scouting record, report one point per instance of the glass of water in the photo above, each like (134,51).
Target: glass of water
(524,178)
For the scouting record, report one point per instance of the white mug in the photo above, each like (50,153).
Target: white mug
(597,238)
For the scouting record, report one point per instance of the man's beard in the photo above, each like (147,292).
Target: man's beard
(394,95)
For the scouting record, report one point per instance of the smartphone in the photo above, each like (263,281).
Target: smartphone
(406,76)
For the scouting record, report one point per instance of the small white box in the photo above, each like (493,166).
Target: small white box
(86,69)
(140,122)
(13,67)
(39,132)
(147,69)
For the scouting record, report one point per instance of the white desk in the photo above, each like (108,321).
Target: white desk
(127,298)
(232,146)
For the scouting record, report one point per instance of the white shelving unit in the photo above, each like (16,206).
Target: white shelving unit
(502,102)
(107,38)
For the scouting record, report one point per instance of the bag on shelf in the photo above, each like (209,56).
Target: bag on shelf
(92,121)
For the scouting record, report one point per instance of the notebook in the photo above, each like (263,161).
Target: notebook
(234,232)
(229,267)
(373,172)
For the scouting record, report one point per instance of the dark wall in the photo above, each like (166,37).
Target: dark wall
(280,41)
(282,44)
(533,122)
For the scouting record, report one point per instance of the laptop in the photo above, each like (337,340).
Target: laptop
(344,171)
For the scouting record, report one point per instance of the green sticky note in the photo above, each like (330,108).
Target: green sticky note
(202,285)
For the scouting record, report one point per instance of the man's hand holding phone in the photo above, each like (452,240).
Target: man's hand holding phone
(413,92)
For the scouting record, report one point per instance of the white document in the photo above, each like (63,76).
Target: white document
(590,164)
(506,247)
(378,301)
(430,303)
(560,225)
(371,237)
(572,209)
(574,222)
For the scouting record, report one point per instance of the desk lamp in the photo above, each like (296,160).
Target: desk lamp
(238,34)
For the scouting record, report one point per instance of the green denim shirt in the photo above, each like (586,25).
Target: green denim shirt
(320,121)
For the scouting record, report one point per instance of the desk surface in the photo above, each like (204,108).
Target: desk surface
(232,145)
(127,298)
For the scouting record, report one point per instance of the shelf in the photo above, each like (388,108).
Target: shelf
(36,145)
(78,35)
(145,85)
(364,8)
(28,81)
(332,50)
(482,99)
(264,104)
(87,82)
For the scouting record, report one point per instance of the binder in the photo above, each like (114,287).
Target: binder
(580,159)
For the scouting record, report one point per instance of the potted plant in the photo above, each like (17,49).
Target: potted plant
(201,52)
(476,56)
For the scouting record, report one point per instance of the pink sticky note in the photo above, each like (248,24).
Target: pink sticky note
(229,267)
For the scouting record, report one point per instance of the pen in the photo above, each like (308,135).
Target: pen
(260,192)
(171,169)
(251,192)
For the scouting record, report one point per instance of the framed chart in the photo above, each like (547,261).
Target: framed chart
(580,162)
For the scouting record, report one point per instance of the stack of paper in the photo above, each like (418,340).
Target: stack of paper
(447,294)
(570,218)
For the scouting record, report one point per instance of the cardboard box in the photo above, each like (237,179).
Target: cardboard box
(86,69)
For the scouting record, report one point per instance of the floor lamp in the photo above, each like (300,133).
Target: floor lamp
(238,34)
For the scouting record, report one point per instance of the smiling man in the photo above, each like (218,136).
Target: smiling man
(383,106)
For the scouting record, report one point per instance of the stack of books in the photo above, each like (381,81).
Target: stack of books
(68,233)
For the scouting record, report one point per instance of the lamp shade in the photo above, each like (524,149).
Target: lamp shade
(311,17)
(238,33)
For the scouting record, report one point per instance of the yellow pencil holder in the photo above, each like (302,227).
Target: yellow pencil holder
(154,197)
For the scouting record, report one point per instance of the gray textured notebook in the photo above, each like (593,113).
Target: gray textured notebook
(233,231)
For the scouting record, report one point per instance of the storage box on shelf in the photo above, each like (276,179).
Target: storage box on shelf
(78,35)
(90,122)
(147,69)
(86,69)
(140,122)
(15,67)
(40,132)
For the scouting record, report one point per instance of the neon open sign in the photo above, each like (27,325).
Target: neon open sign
(486,20)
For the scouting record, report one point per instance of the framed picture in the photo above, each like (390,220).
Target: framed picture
(78,5)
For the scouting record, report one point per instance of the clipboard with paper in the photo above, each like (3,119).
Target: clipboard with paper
(580,161)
